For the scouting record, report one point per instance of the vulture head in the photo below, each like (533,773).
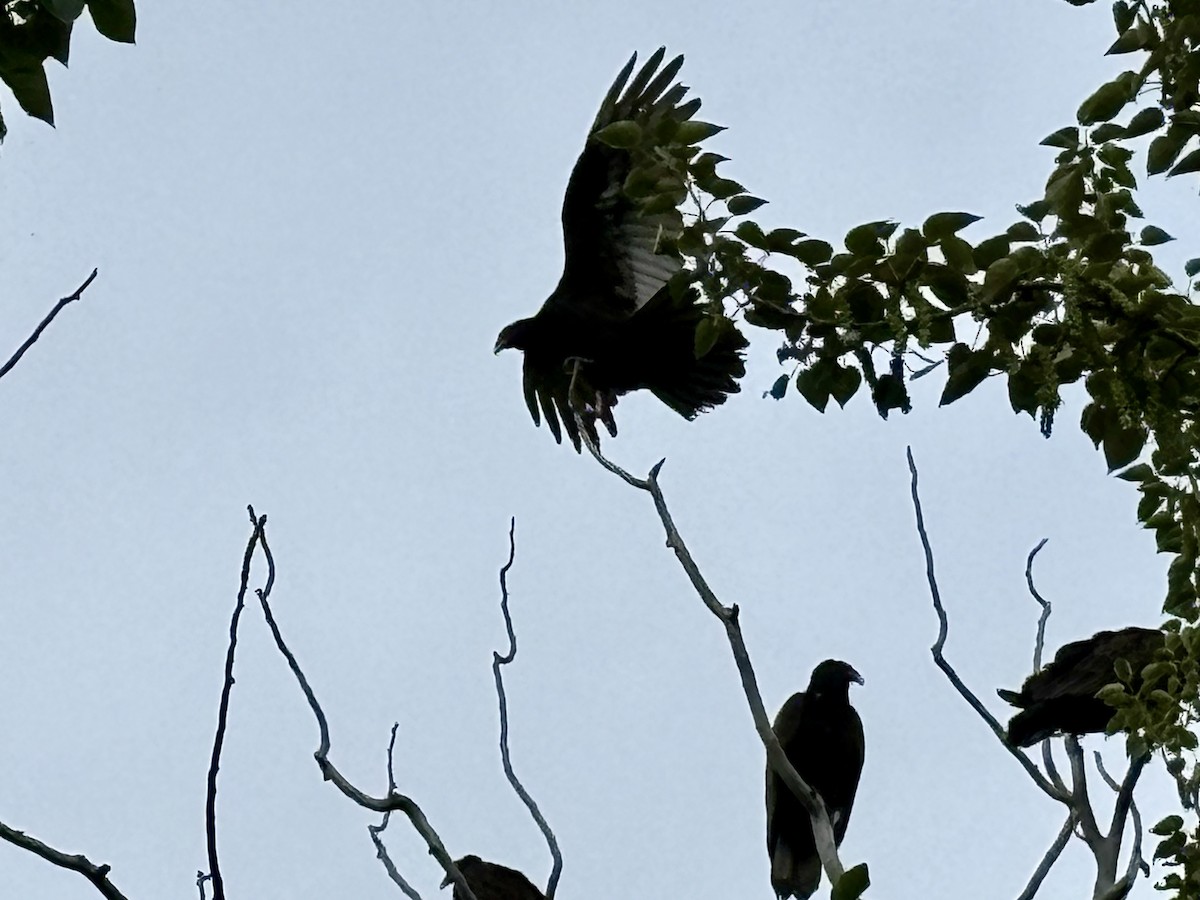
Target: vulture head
(832,676)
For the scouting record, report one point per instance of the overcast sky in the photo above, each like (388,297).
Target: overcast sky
(310,222)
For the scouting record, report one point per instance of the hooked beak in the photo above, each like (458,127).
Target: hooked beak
(856,678)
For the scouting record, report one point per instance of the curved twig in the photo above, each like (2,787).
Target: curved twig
(1039,644)
(75,862)
(376,831)
(810,799)
(394,800)
(45,323)
(939,657)
(502,700)
(210,809)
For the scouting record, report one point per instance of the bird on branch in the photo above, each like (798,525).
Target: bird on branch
(1061,698)
(822,736)
(620,319)
(492,881)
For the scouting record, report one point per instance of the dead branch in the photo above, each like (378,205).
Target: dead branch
(1051,857)
(1136,862)
(210,809)
(728,616)
(939,658)
(502,700)
(1038,645)
(393,800)
(45,323)
(75,862)
(376,831)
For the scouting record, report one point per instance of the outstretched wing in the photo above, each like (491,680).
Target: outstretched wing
(615,256)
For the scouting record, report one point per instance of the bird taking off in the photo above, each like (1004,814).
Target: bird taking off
(822,736)
(614,323)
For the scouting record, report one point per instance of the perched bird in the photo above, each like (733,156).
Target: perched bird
(612,325)
(822,736)
(1061,698)
(491,881)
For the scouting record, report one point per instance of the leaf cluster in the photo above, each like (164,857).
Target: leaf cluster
(32,31)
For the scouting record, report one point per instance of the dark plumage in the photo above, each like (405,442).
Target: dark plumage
(612,309)
(823,738)
(491,881)
(1061,698)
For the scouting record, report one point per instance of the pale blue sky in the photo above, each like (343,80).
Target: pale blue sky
(310,223)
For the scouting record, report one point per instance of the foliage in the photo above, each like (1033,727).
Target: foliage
(32,31)
(1068,292)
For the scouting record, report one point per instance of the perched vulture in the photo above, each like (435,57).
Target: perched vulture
(612,322)
(490,881)
(823,738)
(1061,698)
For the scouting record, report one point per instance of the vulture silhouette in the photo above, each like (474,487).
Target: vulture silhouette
(613,325)
(1061,698)
(491,881)
(822,736)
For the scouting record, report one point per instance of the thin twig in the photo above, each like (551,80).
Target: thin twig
(44,324)
(377,830)
(1125,802)
(1038,645)
(809,799)
(939,658)
(1051,857)
(210,813)
(394,800)
(75,862)
(505,759)
(201,877)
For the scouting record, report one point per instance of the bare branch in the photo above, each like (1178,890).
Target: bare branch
(1051,857)
(75,862)
(810,799)
(210,812)
(394,800)
(506,760)
(201,877)
(376,830)
(1038,645)
(1079,793)
(1125,803)
(939,658)
(45,323)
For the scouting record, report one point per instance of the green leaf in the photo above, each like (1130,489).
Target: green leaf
(1169,825)
(944,224)
(812,252)
(1109,131)
(740,205)
(967,368)
(1140,472)
(29,86)
(1023,232)
(1122,445)
(779,388)
(63,10)
(1152,236)
(853,883)
(1124,670)
(863,240)
(722,188)
(999,277)
(1123,15)
(1190,163)
(694,132)
(1067,138)
(115,19)
(815,383)
(708,330)
(1192,266)
(1129,41)
(1035,211)
(1164,149)
(752,234)
(844,384)
(987,252)
(958,255)
(623,135)
(1145,121)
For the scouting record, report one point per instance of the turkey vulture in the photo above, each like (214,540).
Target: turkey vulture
(822,736)
(613,325)
(1062,696)
(490,881)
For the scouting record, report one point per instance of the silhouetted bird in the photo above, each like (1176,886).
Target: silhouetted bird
(612,312)
(823,738)
(491,881)
(1061,698)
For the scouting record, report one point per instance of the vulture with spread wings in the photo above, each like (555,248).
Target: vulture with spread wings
(492,881)
(1061,698)
(822,736)
(613,325)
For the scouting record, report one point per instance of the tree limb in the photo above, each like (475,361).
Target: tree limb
(210,810)
(939,658)
(502,700)
(75,862)
(1039,643)
(394,800)
(1051,857)
(810,799)
(375,831)
(45,323)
